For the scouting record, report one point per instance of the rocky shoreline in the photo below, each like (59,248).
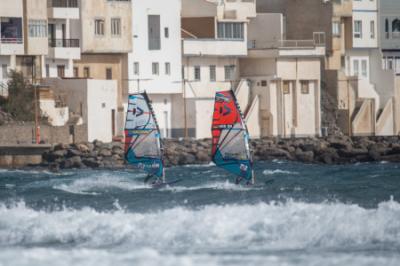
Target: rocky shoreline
(330,150)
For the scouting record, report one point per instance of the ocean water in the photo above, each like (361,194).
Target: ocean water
(296,214)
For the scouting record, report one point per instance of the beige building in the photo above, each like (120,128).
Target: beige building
(23,42)
(284,77)
(364,94)
(106,40)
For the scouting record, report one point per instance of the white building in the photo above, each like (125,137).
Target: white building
(390,34)
(375,88)
(92,102)
(284,80)
(155,64)
(214,38)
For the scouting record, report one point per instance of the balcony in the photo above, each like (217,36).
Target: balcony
(63,3)
(63,9)
(64,49)
(11,46)
(314,47)
(214,47)
(343,8)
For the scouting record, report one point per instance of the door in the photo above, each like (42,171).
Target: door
(165,131)
(60,71)
(52,35)
(113,122)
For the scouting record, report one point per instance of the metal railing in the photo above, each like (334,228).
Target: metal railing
(66,43)
(63,3)
(317,41)
(12,40)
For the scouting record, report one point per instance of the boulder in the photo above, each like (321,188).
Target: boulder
(73,153)
(105,153)
(90,162)
(83,148)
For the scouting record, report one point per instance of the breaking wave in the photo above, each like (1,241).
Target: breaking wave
(272,226)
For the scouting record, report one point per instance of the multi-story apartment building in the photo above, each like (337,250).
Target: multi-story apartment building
(389,13)
(155,64)
(63,38)
(105,29)
(23,40)
(353,76)
(284,80)
(11,38)
(214,38)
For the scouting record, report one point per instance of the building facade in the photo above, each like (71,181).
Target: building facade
(155,64)
(105,30)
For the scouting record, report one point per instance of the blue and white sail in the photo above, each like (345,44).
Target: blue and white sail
(143,146)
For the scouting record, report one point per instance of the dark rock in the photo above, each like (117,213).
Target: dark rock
(92,163)
(105,153)
(73,153)
(202,156)
(60,147)
(118,150)
(307,156)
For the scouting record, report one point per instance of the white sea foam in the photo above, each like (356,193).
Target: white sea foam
(278,172)
(150,257)
(212,185)
(293,225)
(99,182)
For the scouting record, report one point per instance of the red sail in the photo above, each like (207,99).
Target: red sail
(226,114)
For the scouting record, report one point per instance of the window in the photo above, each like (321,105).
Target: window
(47,70)
(356,67)
(11,29)
(76,72)
(229,30)
(154,32)
(166,32)
(99,27)
(60,71)
(116,26)
(136,68)
(372,25)
(387,28)
(86,72)
(37,28)
(213,73)
(4,71)
(357,29)
(229,72)
(197,73)
(336,28)
(263,83)
(396,28)
(390,62)
(286,87)
(364,69)
(108,73)
(167,68)
(305,87)
(155,68)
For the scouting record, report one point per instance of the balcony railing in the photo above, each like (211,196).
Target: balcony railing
(65,43)
(62,3)
(12,40)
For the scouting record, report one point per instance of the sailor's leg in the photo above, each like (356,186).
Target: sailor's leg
(238,180)
(148,177)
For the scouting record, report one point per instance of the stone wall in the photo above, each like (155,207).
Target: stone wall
(23,133)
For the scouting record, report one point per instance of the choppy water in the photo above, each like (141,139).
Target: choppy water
(296,215)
